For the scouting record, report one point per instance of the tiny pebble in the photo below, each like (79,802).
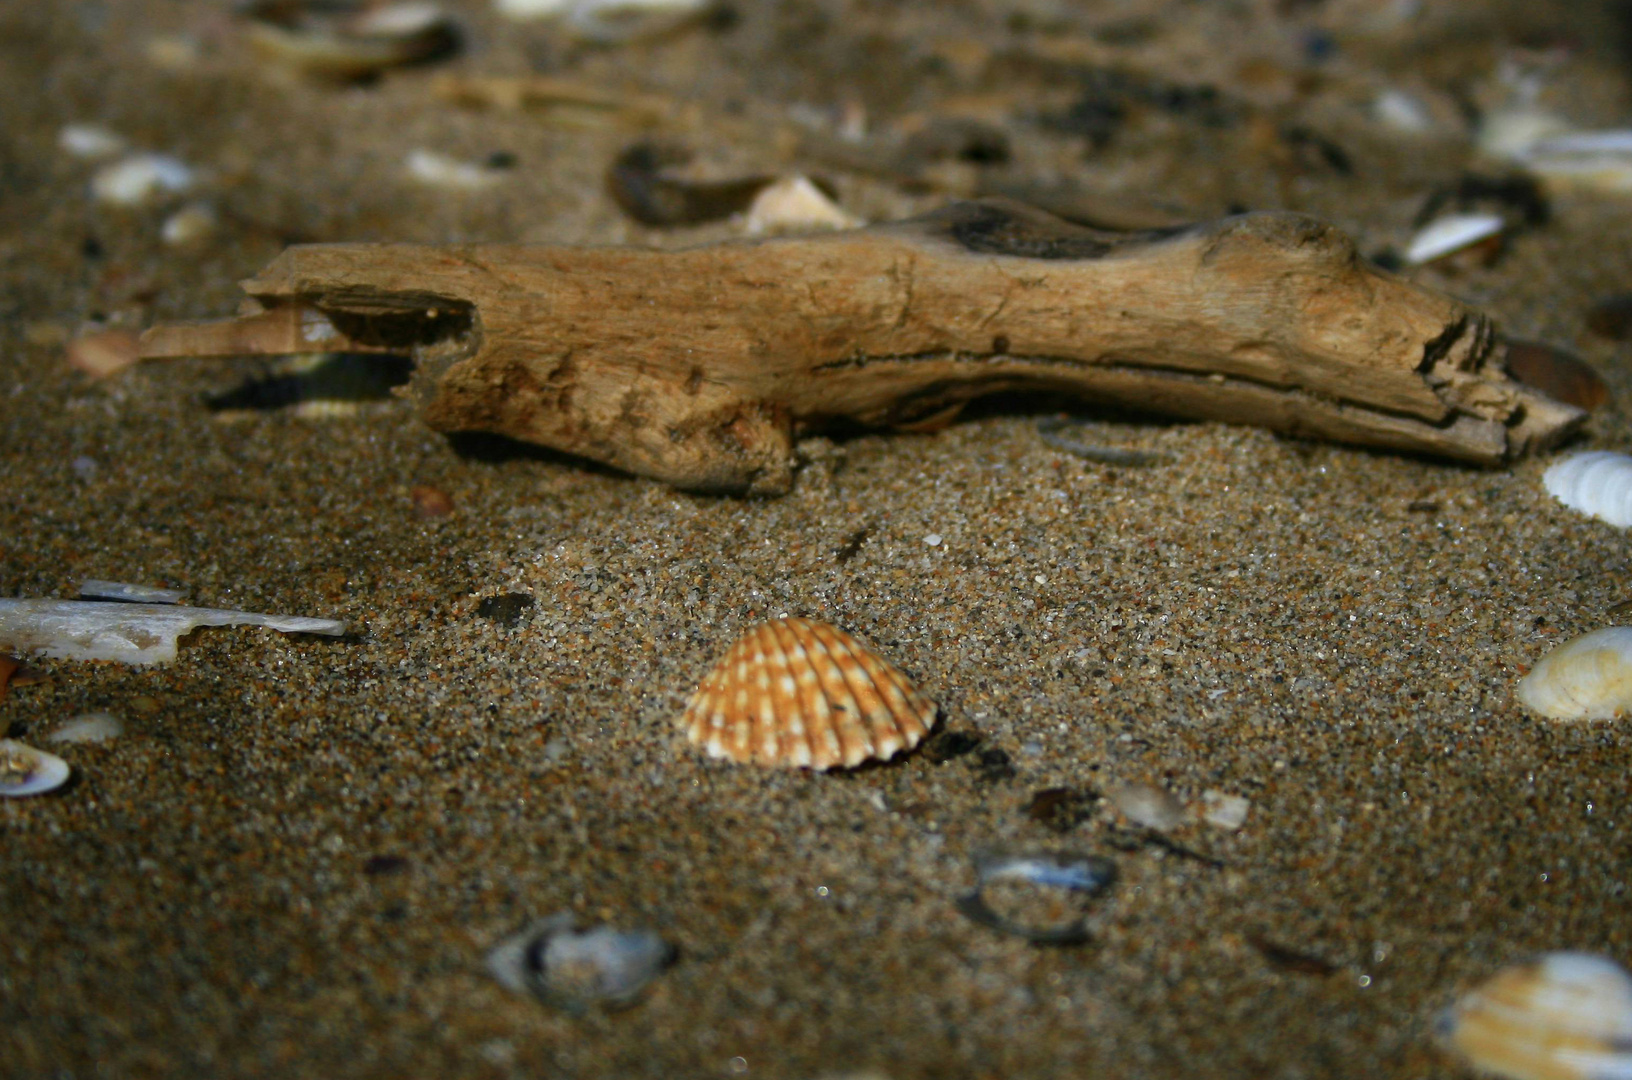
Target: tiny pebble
(89,728)
(933,539)
(84,468)
(430,502)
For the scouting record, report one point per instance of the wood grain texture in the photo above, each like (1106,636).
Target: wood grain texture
(700,366)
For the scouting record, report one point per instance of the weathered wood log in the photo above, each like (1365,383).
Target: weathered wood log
(700,366)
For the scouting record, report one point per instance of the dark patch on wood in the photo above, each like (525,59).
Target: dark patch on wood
(398,320)
(992,230)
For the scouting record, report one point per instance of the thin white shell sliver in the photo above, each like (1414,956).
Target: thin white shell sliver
(1598,483)
(128,633)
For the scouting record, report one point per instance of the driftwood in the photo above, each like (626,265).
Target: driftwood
(700,366)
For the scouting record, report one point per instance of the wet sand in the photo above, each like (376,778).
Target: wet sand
(295,859)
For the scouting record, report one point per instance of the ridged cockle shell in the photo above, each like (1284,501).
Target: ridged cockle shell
(1561,1016)
(805,694)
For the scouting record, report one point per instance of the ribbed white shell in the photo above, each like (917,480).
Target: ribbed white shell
(1586,678)
(805,694)
(1598,482)
(1562,1016)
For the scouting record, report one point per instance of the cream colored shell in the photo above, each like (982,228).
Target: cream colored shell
(1586,678)
(1562,1016)
(805,694)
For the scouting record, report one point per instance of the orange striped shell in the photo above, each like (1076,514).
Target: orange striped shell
(805,694)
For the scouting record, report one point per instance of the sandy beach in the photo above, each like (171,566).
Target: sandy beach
(295,858)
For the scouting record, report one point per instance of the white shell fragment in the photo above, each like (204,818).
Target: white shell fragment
(27,771)
(1041,896)
(1402,111)
(1450,234)
(1586,678)
(794,204)
(136,179)
(1224,811)
(348,41)
(96,589)
(91,728)
(192,223)
(89,142)
(1598,483)
(1593,160)
(439,170)
(128,633)
(805,694)
(1148,806)
(1562,1016)
(575,970)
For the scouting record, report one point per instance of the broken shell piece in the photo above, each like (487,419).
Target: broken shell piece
(440,170)
(136,179)
(1598,483)
(348,41)
(1592,160)
(575,970)
(1148,806)
(794,204)
(1562,1016)
(92,589)
(192,223)
(89,142)
(27,771)
(1039,896)
(128,633)
(1450,234)
(91,728)
(1224,811)
(805,694)
(1586,678)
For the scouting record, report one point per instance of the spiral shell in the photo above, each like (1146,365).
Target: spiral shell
(1586,678)
(805,694)
(1598,483)
(1562,1016)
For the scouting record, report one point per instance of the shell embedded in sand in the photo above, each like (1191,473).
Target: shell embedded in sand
(27,771)
(805,694)
(1586,678)
(1562,1016)
(1598,482)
